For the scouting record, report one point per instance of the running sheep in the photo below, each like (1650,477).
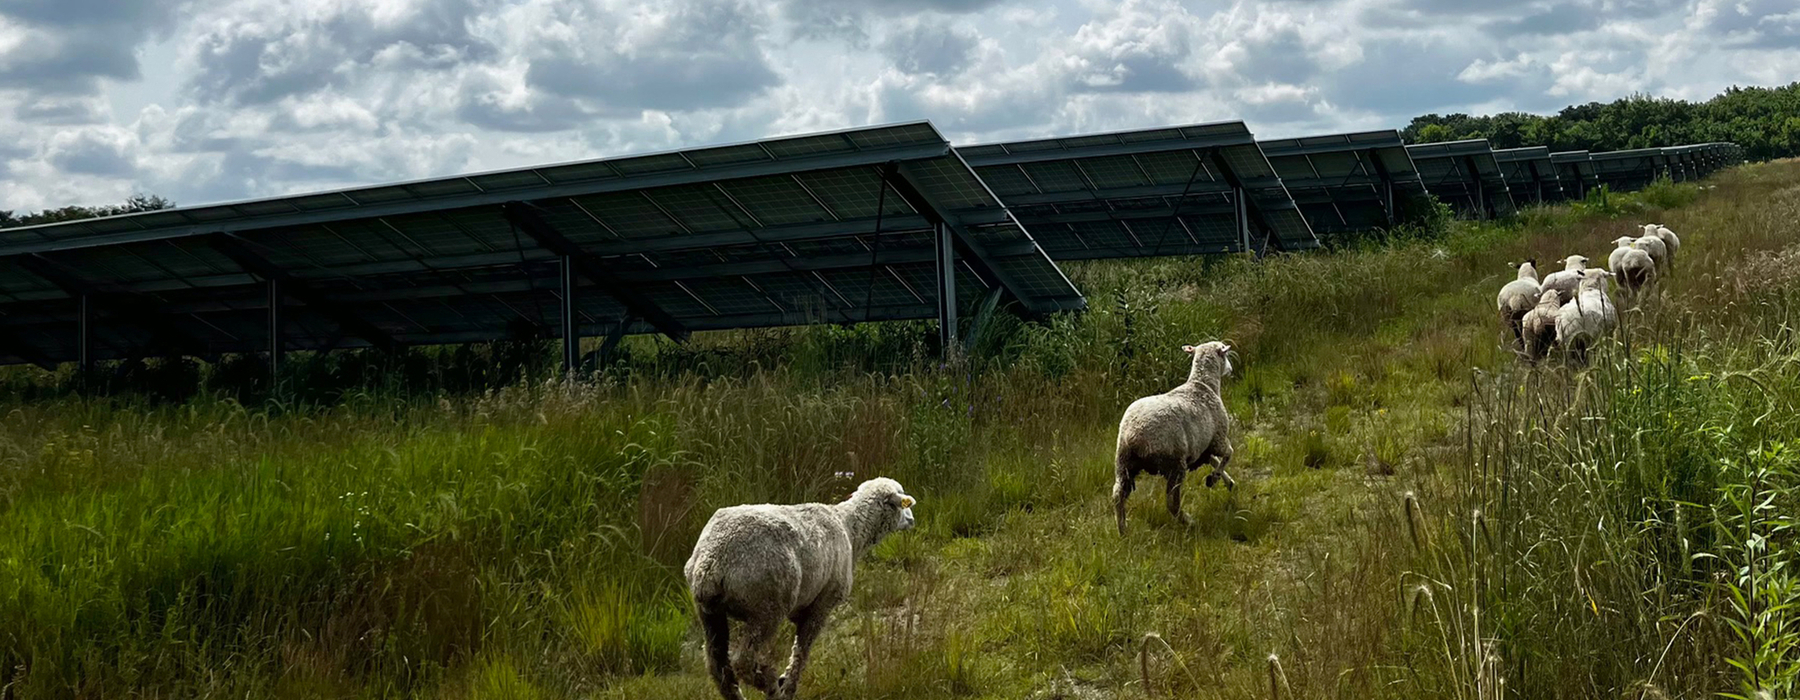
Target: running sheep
(1634,266)
(1566,280)
(1668,238)
(1172,434)
(1538,329)
(1517,297)
(766,563)
(1586,318)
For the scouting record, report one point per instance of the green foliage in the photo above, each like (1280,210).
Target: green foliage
(1762,120)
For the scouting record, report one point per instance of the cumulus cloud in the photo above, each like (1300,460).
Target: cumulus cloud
(204,100)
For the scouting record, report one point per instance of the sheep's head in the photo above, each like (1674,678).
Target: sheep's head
(1551,296)
(1528,269)
(1594,278)
(891,507)
(1210,359)
(1574,263)
(1623,242)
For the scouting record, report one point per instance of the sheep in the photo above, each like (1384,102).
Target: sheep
(1583,320)
(1658,250)
(1538,329)
(1668,237)
(1174,433)
(1635,267)
(1517,297)
(1565,281)
(766,563)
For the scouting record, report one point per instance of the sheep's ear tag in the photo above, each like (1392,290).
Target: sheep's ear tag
(1189,349)
(901,500)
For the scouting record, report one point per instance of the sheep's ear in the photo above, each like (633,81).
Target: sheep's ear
(900,500)
(1223,348)
(1189,349)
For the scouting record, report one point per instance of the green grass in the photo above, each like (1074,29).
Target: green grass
(528,542)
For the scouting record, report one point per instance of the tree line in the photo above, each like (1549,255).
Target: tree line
(133,205)
(1764,121)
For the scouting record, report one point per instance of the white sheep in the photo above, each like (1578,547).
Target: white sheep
(1518,296)
(766,563)
(1668,237)
(1658,250)
(1634,266)
(1537,332)
(1588,317)
(1566,280)
(1174,433)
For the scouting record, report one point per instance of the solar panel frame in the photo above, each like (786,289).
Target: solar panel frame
(1465,175)
(1348,182)
(1530,175)
(789,230)
(1628,170)
(1146,192)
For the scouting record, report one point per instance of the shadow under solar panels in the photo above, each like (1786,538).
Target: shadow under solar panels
(1576,171)
(1464,175)
(1346,183)
(1185,190)
(877,223)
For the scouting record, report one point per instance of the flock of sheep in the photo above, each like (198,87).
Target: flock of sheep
(762,564)
(1570,308)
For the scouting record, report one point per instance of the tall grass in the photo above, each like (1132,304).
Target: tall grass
(527,541)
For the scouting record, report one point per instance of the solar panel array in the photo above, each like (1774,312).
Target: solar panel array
(776,232)
(1530,175)
(1465,175)
(877,223)
(1346,182)
(1170,191)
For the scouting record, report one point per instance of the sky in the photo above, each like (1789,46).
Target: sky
(212,100)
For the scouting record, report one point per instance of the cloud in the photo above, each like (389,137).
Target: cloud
(203,100)
(67,46)
(931,47)
(265,50)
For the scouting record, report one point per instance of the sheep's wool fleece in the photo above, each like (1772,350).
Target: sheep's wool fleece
(1590,314)
(1181,423)
(779,558)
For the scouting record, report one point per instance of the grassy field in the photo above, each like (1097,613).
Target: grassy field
(1417,514)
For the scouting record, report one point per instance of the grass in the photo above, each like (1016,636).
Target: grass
(1635,519)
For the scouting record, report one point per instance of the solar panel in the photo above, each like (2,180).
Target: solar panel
(1464,175)
(1346,182)
(1576,171)
(1530,175)
(1627,171)
(1165,191)
(835,227)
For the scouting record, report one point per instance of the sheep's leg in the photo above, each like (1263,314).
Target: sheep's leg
(807,626)
(718,653)
(1172,492)
(753,662)
(1221,451)
(1123,484)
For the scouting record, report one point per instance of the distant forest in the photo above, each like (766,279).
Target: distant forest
(1764,121)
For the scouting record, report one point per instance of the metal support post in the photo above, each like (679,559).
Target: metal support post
(84,337)
(274,332)
(571,330)
(1241,210)
(946,279)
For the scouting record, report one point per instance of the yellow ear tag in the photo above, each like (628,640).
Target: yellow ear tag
(906,501)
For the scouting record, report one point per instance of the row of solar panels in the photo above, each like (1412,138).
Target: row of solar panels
(877,223)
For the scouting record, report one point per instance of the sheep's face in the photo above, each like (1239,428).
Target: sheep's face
(1214,356)
(1623,241)
(890,499)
